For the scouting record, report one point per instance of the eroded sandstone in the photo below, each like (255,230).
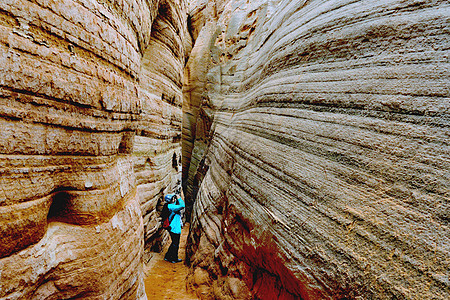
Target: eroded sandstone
(87,142)
(315,146)
(157,145)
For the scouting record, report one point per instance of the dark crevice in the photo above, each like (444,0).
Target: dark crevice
(60,206)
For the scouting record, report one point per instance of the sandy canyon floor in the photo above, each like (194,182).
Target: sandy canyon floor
(165,280)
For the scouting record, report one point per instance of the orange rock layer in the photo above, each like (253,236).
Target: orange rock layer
(90,123)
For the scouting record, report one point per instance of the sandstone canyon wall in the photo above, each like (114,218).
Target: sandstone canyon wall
(316,147)
(87,141)
(157,147)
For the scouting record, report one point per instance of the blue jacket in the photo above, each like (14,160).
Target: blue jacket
(175,214)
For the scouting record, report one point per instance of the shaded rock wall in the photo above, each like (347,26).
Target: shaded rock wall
(316,144)
(85,139)
(157,146)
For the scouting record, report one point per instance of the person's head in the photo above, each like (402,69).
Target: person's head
(169,198)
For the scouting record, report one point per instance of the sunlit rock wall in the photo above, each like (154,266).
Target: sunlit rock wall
(316,144)
(75,112)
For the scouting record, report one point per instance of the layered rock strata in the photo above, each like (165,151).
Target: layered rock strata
(316,146)
(78,91)
(157,145)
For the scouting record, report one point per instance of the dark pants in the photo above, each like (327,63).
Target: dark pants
(172,253)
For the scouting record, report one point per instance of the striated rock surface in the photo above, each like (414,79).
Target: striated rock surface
(316,147)
(85,139)
(157,144)
(81,262)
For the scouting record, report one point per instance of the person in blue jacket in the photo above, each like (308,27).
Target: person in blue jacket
(175,205)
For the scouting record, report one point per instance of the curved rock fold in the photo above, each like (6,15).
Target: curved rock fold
(315,143)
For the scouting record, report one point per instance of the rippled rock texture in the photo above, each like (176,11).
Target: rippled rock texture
(316,144)
(90,121)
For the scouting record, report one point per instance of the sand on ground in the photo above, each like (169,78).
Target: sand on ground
(165,280)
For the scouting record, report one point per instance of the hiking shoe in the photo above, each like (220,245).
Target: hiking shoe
(176,261)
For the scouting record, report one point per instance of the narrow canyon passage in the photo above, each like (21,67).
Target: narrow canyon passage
(309,140)
(165,280)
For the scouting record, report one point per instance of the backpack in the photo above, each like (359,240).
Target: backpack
(166,217)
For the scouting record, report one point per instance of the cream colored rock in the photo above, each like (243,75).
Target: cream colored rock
(315,143)
(86,142)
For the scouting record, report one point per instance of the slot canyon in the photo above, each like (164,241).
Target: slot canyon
(309,140)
